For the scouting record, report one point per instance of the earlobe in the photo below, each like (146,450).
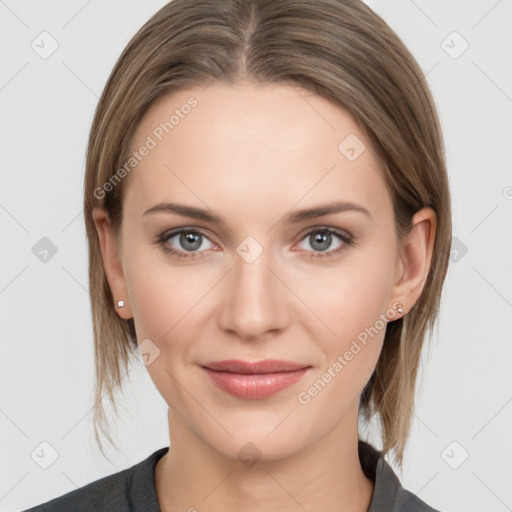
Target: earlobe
(415,257)
(112,262)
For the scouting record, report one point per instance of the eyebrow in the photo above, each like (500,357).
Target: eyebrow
(294,217)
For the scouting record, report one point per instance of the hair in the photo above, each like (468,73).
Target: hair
(338,49)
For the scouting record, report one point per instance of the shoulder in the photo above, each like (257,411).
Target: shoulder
(395,498)
(130,489)
(107,493)
(388,494)
(411,503)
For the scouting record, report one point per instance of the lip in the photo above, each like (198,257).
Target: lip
(258,367)
(256,380)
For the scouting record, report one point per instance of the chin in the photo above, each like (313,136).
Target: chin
(260,439)
(250,451)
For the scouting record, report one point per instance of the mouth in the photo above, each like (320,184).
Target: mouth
(256,380)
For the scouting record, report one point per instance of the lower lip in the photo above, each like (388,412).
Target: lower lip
(254,386)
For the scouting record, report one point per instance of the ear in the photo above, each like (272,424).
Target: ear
(111,261)
(413,261)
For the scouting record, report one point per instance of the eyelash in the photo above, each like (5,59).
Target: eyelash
(347,239)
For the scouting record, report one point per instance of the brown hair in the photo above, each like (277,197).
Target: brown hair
(338,49)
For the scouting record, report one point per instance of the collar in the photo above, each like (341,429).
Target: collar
(388,492)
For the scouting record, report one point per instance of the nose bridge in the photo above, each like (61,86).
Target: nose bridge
(256,300)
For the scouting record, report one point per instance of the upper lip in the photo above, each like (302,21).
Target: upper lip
(248,368)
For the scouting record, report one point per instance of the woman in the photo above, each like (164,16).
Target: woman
(268,217)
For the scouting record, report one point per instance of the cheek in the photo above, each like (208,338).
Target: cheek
(166,302)
(355,311)
(350,303)
(349,298)
(163,295)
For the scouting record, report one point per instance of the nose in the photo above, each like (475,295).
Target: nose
(256,299)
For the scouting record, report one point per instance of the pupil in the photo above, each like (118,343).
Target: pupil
(188,238)
(322,238)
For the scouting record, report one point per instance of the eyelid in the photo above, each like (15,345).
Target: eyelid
(320,227)
(346,238)
(171,233)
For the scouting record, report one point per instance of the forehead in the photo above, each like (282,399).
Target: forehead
(258,145)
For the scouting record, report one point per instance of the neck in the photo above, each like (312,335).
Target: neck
(326,475)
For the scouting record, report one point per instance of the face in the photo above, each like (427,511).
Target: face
(258,281)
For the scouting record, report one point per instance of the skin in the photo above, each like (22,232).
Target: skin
(252,154)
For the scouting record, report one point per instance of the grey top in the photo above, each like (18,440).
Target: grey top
(133,489)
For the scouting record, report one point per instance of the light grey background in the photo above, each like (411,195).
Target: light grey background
(464,405)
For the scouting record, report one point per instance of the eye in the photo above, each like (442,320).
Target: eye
(321,239)
(191,240)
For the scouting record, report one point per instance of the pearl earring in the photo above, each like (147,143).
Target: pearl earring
(120,303)
(399,308)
